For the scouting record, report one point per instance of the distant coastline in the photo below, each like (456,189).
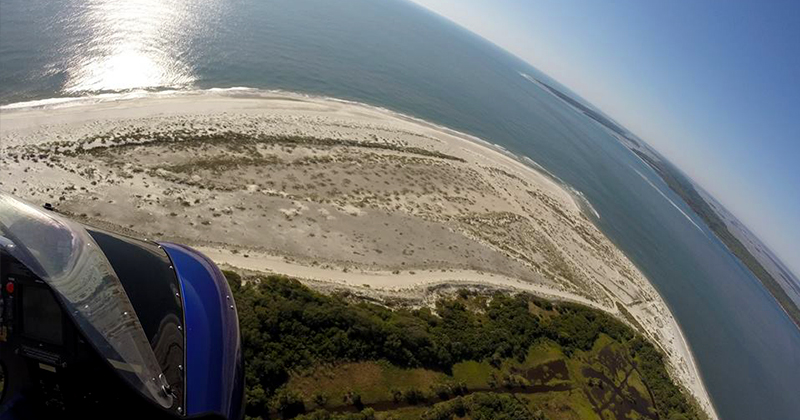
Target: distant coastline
(686,189)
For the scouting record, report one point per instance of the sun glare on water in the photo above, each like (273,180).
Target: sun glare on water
(131,44)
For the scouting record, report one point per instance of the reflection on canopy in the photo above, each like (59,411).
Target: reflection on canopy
(63,255)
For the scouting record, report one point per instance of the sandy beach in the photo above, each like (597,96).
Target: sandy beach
(330,192)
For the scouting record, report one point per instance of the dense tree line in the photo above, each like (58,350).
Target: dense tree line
(478,406)
(482,406)
(670,402)
(287,326)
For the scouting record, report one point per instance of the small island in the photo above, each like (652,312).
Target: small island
(352,200)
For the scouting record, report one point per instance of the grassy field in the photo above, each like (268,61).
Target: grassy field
(602,383)
(474,356)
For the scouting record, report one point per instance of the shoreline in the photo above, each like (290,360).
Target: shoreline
(71,120)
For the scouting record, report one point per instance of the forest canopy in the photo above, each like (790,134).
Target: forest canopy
(287,328)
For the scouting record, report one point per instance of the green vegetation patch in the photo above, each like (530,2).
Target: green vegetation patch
(563,405)
(474,374)
(543,352)
(233,140)
(221,163)
(374,382)
(473,356)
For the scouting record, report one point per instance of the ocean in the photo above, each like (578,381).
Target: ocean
(396,55)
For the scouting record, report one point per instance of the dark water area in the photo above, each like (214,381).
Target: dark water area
(396,55)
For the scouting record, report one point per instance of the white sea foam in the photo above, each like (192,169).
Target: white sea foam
(52,103)
(528,77)
(542,169)
(584,202)
(689,218)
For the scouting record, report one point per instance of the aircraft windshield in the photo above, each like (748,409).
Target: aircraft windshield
(65,256)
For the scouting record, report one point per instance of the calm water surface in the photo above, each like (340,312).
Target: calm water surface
(396,55)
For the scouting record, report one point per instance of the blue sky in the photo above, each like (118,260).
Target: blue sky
(713,85)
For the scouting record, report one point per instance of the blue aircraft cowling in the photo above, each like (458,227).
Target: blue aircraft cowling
(214,362)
